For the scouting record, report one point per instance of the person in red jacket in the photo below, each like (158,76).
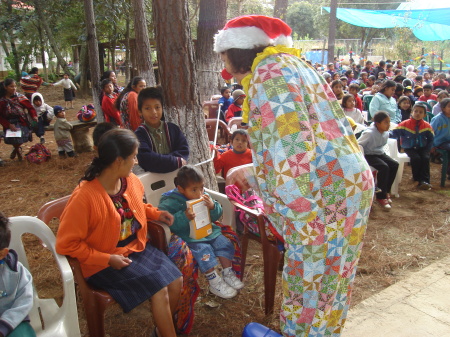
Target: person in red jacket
(427,93)
(353,89)
(15,110)
(441,83)
(239,155)
(235,109)
(112,115)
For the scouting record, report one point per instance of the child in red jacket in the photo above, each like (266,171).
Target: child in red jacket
(235,109)
(112,115)
(239,155)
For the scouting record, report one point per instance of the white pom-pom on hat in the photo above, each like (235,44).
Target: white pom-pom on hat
(251,31)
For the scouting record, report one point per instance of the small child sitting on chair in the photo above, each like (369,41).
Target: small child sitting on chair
(190,184)
(16,289)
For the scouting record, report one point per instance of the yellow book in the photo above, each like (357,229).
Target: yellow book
(200,226)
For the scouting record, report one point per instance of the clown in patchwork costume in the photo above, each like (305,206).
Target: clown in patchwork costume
(316,185)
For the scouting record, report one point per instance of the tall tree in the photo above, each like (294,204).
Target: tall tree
(280,8)
(39,7)
(94,62)
(332,31)
(143,51)
(212,17)
(179,79)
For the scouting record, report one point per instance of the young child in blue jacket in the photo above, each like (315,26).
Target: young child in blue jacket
(16,289)
(441,127)
(190,185)
(416,138)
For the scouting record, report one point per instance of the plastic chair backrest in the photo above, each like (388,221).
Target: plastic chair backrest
(52,209)
(47,318)
(211,125)
(366,101)
(429,107)
(210,108)
(432,102)
(234,124)
(155,184)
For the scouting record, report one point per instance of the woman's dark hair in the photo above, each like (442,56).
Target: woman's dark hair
(3,86)
(348,72)
(34,70)
(5,233)
(444,103)
(188,174)
(151,92)
(106,75)
(380,116)
(100,129)
(104,83)
(382,73)
(345,99)
(398,87)
(443,93)
(241,60)
(418,78)
(127,89)
(387,84)
(113,144)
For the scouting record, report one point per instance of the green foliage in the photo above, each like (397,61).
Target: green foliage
(300,16)
(247,7)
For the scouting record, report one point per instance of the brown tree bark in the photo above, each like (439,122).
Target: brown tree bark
(280,8)
(332,31)
(179,80)
(143,64)
(212,17)
(94,62)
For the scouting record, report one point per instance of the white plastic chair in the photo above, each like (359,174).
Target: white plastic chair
(234,124)
(155,184)
(402,158)
(47,318)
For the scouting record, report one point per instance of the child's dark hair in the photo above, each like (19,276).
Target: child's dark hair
(398,87)
(418,78)
(151,92)
(239,132)
(5,232)
(100,129)
(4,84)
(104,83)
(372,78)
(443,93)
(113,144)
(380,116)
(223,89)
(420,104)
(427,86)
(335,83)
(403,98)
(353,86)
(37,98)
(382,74)
(188,174)
(444,103)
(345,98)
(343,78)
(127,89)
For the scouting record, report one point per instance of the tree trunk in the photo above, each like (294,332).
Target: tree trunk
(76,60)
(51,39)
(84,83)
(143,64)
(127,51)
(92,45)
(42,51)
(212,17)
(179,80)
(332,31)
(280,8)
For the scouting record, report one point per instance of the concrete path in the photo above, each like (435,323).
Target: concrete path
(416,307)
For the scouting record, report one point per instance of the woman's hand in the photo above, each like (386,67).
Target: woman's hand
(118,261)
(208,201)
(166,217)
(12,127)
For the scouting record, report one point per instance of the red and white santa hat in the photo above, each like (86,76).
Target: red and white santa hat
(251,31)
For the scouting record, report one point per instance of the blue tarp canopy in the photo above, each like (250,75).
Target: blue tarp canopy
(427,24)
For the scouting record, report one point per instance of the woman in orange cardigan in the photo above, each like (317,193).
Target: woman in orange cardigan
(104,226)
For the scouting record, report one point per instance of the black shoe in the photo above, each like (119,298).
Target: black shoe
(13,154)
(19,154)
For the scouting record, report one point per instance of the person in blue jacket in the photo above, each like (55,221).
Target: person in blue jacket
(162,145)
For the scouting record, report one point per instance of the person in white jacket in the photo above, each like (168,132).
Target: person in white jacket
(16,289)
(69,89)
(44,112)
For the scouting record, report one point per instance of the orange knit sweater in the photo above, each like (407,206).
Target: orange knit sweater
(90,224)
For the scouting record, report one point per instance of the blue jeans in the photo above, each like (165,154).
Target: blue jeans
(206,252)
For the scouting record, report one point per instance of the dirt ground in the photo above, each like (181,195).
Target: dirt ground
(413,235)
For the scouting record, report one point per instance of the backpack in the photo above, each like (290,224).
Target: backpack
(254,202)
(38,154)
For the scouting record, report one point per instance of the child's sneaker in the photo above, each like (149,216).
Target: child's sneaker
(230,278)
(221,289)
(388,198)
(385,204)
